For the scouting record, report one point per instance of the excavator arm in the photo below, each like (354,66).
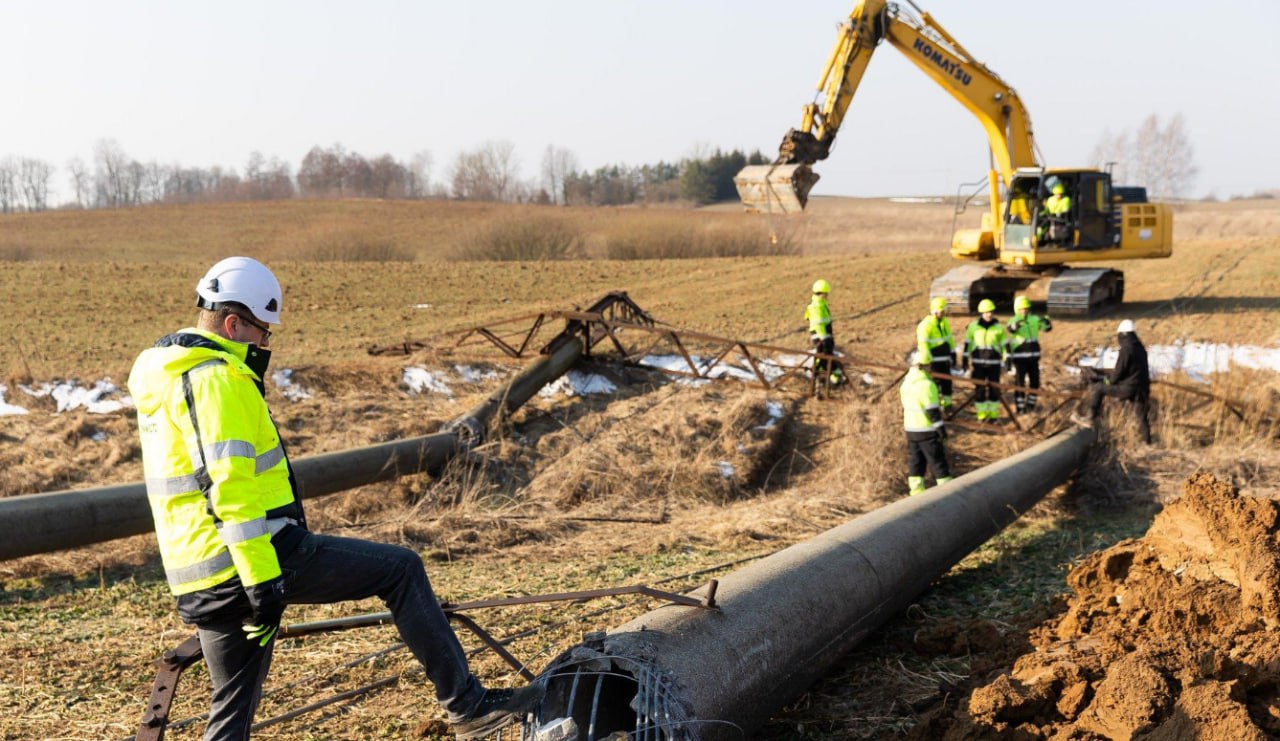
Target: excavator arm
(784,185)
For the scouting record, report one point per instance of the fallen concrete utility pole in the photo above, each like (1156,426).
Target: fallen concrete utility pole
(680,673)
(41,523)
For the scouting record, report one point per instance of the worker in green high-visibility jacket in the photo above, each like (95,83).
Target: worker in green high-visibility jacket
(986,348)
(1024,331)
(925,428)
(936,345)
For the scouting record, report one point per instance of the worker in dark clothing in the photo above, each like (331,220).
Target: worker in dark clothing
(1130,380)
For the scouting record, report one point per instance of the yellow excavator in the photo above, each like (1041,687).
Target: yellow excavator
(1039,219)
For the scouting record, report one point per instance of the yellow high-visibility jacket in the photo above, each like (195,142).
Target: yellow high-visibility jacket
(217,477)
(933,337)
(1056,205)
(921,411)
(818,316)
(1023,332)
(986,344)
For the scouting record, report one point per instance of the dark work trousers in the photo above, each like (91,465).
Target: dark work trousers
(1027,373)
(1123,393)
(325,569)
(989,371)
(942,364)
(925,448)
(821,366)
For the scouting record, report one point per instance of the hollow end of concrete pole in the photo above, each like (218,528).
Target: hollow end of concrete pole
(609,696)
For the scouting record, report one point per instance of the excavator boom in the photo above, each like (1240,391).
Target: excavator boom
(783,186)
(1032,243)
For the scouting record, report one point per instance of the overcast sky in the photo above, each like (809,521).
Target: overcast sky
(625,81)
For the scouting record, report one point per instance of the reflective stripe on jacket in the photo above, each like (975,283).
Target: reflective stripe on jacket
(933,337)
(818,316)
(921,411)
(986,344)
(1024,335)
(216,472)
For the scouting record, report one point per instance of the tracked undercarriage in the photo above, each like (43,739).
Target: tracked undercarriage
(1062,290)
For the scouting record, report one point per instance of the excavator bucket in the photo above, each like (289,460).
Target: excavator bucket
(775,188)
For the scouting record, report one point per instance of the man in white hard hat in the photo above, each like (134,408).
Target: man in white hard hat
(229,522)
(1130,380)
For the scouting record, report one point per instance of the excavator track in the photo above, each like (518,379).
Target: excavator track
(1085,291)
(1063,291)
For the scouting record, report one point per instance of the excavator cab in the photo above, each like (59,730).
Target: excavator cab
(1083,217)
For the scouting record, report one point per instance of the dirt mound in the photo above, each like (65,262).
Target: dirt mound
(1173,635)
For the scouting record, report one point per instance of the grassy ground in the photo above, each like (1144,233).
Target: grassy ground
(91,289)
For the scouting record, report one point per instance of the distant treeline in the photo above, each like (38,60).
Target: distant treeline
(491,172)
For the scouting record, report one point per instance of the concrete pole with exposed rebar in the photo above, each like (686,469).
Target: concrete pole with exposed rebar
(41,523)
(687,673)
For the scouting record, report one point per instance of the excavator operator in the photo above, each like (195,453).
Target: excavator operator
(1056,213)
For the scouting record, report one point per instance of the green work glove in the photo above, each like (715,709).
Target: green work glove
(267,601)
(260,633)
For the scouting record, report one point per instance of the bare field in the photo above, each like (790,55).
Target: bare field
(82,627)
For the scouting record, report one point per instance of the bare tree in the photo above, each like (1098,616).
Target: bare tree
(34,176)
(1177,159)
(557,165)
(1112,150)
(486,174)
(1159,158)
(80,183)
(321,173)
(111,174)
(8,185)
(419,175)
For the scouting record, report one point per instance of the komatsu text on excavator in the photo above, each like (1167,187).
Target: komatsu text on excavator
(1039,219)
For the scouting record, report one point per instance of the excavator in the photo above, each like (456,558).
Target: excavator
(1030,243)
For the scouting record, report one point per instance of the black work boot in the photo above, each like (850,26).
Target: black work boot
(497,709)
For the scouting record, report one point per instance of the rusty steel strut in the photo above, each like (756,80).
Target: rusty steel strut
(171,665)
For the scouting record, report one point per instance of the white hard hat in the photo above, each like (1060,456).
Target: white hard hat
(245,281)
(914,358)
(1126,326)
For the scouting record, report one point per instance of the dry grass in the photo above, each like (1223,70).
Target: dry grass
(533,234)
(680,239)
(82,627)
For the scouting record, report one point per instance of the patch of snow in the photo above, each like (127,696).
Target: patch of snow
(775,411)
(98,437)
(69,395)
(726,469)
(577,383)
(1196,359)
(677,364)
(283,379)
(914,199)
(471,374)
(419,306)
(9,409)
(420,381)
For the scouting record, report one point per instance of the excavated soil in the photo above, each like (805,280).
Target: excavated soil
(1169,636)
